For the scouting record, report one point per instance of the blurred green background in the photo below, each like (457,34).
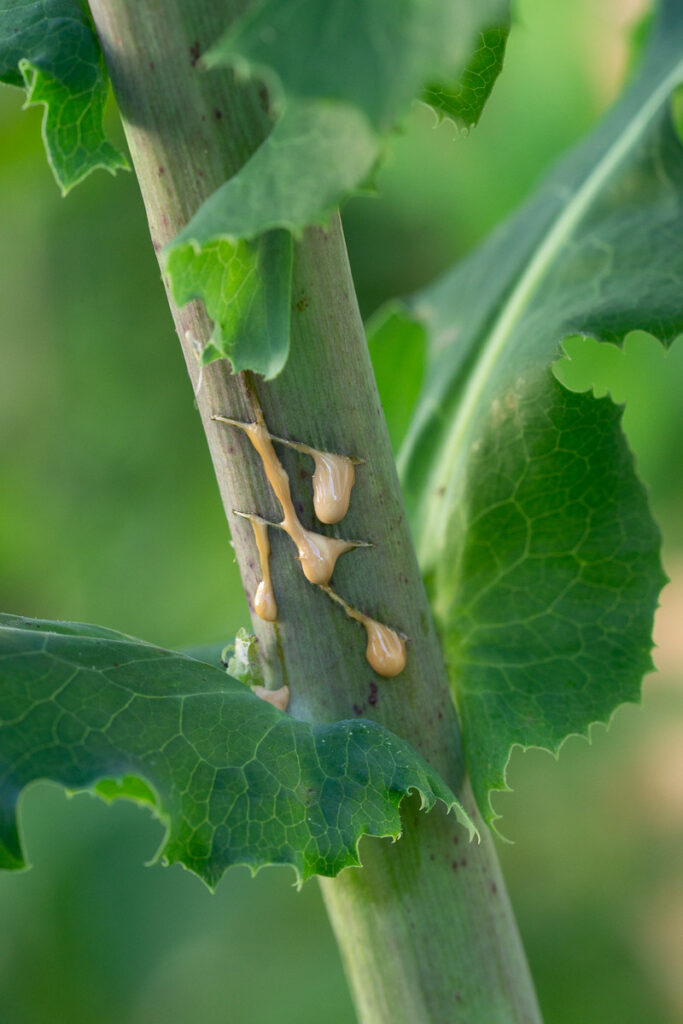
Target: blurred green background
(109,513)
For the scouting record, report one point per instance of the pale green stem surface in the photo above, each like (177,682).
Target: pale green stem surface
(425,927)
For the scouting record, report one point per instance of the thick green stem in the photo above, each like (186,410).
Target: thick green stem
(425,927)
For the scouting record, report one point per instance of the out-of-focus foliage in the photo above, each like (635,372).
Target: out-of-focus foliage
(464,101)
(110,513)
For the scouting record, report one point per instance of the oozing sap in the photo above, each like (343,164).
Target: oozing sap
(333,480)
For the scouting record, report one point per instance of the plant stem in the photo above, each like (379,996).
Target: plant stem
(425,927)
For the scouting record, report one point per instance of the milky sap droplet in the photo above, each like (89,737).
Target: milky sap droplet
(386,650)
(278,698)
(333,479)
(318,555)
(265,604)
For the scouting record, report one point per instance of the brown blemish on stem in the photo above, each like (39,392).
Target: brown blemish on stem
(264,99)
(280,652)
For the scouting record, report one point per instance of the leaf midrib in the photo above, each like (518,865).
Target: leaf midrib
(452,450)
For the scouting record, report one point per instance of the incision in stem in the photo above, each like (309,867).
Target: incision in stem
(333,480)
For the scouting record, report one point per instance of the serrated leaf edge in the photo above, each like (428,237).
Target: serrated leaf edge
(427,803)
(489,813)
(428,800)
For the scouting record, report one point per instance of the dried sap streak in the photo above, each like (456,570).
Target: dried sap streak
(386,649)
(265,604)
(333,480)
(318,554)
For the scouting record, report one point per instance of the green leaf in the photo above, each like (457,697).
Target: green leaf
(315,155)
(376,55)
(464,101)
(50,48)
(339,76)
(299,174)
(245,287)
(395,341)
(553,578)
(234,780)
(531,526)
